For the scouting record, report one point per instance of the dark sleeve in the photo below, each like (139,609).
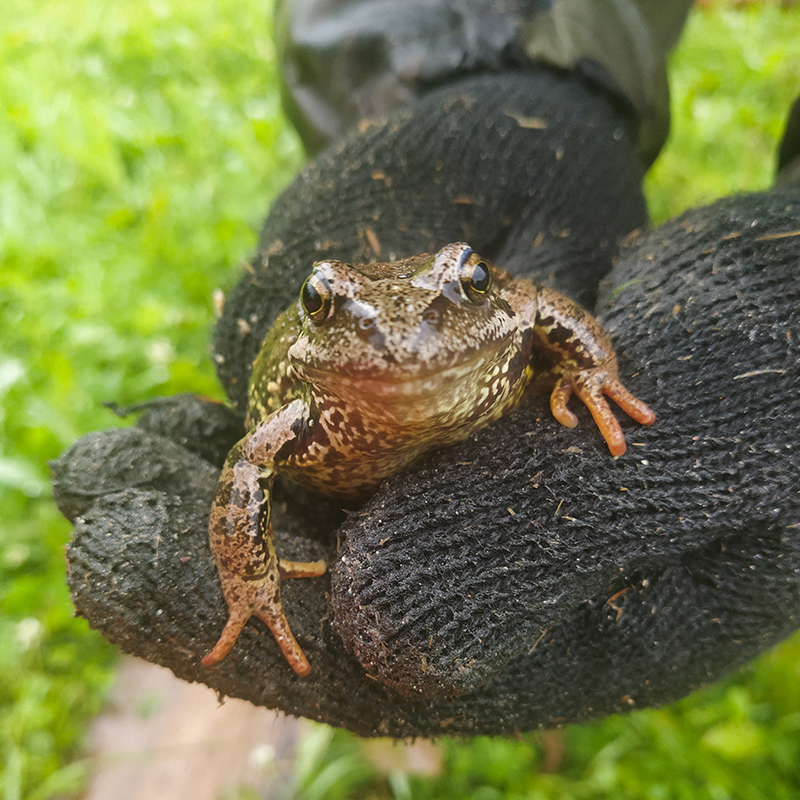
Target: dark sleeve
(345,60)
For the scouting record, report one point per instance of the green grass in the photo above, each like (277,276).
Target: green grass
(739,739)
(733,78)
(142,142)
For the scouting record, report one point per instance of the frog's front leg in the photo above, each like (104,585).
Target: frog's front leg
(585,363)
(240,535)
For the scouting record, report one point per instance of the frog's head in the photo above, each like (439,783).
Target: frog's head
(427,331)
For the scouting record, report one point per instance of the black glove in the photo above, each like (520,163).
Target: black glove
(523,577)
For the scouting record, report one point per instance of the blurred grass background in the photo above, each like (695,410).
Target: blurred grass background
(141,143)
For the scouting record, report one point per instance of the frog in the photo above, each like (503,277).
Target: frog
(375,367)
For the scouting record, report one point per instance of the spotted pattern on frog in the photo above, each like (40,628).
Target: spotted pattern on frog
(376,366)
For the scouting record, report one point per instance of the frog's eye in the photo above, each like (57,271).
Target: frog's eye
(315,297)
(476,279)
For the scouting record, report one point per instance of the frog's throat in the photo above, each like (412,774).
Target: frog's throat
(451,396)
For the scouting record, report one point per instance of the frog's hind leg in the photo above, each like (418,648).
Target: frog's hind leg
(240,537)
(260,597)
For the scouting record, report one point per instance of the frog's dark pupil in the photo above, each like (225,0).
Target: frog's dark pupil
(311,298)
(481,278)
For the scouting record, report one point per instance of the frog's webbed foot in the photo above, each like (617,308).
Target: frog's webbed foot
(260,597)
(590,386)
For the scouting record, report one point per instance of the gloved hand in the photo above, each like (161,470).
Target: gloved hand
(523,577)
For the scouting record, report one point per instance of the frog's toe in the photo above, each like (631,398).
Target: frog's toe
(301,569)
(244,597)
(631,405)
(234,626)
(559,398)
(276,621)
(609,427)
(604,418)
(589,386)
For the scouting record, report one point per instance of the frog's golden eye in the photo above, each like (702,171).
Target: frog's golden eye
(476,279)
(315,297)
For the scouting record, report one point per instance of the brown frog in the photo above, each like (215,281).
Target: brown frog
(377,365)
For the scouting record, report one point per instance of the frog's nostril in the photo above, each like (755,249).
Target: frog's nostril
(369,331)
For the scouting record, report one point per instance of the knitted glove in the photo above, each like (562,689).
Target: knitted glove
(523,577)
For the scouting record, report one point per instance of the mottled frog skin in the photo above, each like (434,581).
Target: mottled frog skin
(375,366)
